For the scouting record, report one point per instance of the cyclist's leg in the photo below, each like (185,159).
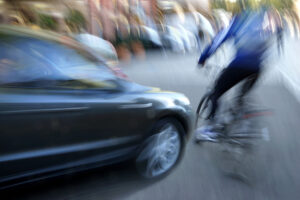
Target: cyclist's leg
(229,77)
(247,86)
(226,80)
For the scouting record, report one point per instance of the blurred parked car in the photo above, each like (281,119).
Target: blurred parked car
(203,29)
(150,37)
(103,47)
(202,23)
(63,110)
(222,18)
(187,26)
(175,39)
(189,39)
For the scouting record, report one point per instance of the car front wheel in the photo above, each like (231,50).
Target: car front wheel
(162,150)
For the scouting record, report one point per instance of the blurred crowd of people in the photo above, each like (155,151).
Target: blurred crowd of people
(132,27)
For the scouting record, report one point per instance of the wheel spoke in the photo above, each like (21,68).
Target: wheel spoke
(152,164)
(162,151)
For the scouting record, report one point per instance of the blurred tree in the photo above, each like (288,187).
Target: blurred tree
(47,22)
(75,20)
(239,4)
(280,4)
(216,4)
(284,7)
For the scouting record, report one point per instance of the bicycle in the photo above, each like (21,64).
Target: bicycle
(241,128)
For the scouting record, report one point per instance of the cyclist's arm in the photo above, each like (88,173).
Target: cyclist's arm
(219,39)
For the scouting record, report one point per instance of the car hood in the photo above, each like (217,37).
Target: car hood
(162,103)
(156,93)
(132,87)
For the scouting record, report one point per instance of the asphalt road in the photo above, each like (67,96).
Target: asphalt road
(274,171)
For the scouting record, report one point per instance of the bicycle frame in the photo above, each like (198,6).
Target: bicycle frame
(238,119)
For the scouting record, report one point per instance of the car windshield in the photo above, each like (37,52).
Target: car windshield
(24,59)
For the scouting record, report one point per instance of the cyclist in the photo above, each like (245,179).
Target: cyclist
(251,32)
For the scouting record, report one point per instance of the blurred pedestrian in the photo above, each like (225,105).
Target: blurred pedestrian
(280,43)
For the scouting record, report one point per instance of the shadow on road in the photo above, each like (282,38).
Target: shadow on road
(113,182)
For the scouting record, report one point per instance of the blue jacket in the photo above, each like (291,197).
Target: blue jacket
(250,35)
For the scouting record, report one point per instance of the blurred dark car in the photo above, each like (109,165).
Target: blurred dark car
(63,110)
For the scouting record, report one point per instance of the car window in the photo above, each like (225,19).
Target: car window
(17,65)
(29,62)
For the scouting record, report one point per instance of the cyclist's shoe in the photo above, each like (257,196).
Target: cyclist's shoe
(208,133)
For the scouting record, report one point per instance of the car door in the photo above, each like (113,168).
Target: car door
(51,130)
(91,125)
(32,129)
(28,121)
(49,123)
(106,127)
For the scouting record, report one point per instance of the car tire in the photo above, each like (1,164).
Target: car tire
(162,150)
